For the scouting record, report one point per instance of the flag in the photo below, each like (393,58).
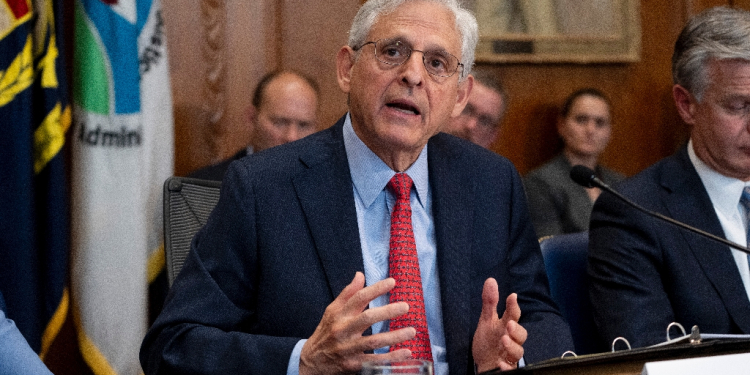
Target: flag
(122,148)
(34,117)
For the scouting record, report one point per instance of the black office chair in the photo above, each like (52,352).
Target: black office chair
(187,204)
(565,259)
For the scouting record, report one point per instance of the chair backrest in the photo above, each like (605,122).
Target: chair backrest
(187,204)
(565,259)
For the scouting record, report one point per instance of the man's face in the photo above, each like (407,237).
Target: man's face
(397,108)
(480,120)
(721,121)
(586,129)
(287,112)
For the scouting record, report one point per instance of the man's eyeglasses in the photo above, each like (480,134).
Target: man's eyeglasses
(395,52)
(484,120)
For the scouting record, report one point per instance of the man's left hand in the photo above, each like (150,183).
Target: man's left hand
(498,342)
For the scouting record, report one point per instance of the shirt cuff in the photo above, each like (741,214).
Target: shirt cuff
(293,367)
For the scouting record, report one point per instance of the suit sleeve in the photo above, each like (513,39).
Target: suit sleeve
(205,326)
(627,291)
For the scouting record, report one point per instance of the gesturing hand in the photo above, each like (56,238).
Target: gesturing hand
(337,345)
(498,342)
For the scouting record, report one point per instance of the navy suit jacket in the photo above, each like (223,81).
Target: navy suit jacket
(646,273)
(283,242)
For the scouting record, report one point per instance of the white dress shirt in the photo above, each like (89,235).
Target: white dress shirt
(725,193)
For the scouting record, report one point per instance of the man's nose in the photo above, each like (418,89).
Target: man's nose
(292,133)
(413,69)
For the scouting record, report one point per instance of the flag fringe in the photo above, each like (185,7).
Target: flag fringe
(55,324)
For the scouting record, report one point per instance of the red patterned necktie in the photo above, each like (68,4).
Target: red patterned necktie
(403,266)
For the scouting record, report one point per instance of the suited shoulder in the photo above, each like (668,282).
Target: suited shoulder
(557,169)
(646,185)
(460,150)
(290,158)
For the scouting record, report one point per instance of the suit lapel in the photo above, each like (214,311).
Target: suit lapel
(453,215)
(689,202)
(325,193)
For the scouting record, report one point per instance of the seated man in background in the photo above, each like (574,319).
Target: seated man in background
(556,203)
(646,273)
(481,118)
(308,260)
(284,109)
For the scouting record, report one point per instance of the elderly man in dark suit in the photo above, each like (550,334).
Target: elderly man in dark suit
(308,261)
(645,273)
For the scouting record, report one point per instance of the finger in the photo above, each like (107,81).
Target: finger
(356,285)
(389,338)
(378,314)
(512,309)
(513,351)
(516,332)
(364,296)
(490,298)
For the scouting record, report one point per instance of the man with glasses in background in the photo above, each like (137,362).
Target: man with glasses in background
(481,119)
(379,238)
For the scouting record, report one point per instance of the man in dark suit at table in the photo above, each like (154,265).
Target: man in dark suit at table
(295,270)
(645,273)
(284,109)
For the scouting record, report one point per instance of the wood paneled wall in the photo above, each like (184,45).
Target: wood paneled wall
(212,86)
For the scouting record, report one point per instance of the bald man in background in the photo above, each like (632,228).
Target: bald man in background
(481,118)
(285,106)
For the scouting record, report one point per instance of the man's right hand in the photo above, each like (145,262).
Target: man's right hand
(337,345)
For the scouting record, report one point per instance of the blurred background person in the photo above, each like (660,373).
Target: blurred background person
(556,203)
(284,109)
(481,118)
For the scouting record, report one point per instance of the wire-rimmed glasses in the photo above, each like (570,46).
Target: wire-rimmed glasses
(395,52)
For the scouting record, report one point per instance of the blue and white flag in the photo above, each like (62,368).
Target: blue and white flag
(122,148)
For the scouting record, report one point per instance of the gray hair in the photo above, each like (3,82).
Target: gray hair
(466,24)
(719,33)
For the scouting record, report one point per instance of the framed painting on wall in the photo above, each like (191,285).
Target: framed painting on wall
(557,31)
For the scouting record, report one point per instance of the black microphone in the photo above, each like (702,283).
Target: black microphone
(585,177)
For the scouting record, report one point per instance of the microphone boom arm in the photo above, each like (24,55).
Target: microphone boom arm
(584,176)
(673,221)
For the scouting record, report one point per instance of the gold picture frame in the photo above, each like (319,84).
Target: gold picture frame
(557,31)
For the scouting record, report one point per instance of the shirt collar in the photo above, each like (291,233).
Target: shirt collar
(725,192)
(370,174)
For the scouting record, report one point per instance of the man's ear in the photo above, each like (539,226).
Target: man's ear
(462,95)
(685,103)
(344,64)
